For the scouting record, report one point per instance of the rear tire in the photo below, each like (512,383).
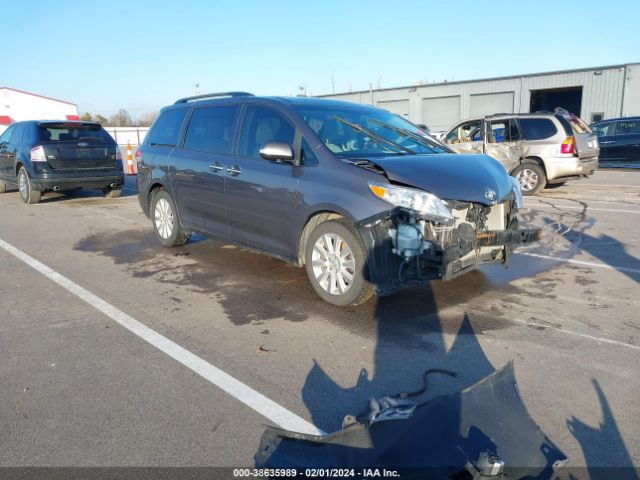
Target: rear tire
(112,192)
(531,177)
(164,218)
(27,193)
(335,260)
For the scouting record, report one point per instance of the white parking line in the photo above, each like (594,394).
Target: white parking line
(250,397)
(581,262)
(609,186)
(577,334)
(574,207)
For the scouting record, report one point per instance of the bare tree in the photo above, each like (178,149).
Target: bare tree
(120,119)
(101,119)
(147,119)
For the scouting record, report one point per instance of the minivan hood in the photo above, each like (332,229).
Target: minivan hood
(449,176)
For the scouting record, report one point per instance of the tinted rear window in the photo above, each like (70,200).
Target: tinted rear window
(166,128)
(537,128)
(211,129)
(72,132)
(628,126)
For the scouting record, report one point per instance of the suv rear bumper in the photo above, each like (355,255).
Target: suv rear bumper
(75,180)
(559,167)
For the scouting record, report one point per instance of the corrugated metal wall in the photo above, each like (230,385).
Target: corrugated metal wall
(602,92)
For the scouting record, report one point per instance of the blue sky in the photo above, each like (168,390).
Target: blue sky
(142,55)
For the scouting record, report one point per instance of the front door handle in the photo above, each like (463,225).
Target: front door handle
(234,170)
(216,167)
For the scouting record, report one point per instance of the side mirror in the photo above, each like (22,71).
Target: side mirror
(277,151)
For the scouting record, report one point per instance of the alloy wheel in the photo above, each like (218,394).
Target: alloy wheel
(333,264)
(528,179)
(23,185)
(164,218)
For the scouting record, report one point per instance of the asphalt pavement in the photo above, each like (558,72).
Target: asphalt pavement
(83,382)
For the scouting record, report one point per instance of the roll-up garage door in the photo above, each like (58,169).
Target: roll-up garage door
(399,107)
(441,112)
(490,103)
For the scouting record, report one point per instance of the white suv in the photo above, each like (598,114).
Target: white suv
(538,149)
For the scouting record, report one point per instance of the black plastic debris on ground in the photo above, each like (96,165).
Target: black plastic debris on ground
(483,431)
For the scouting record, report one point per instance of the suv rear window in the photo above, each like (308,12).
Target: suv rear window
(626,127)
(166,128)
(537,128)
(61,132)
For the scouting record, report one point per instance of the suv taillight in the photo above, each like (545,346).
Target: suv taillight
(37,154)
(118,153)
(569,145)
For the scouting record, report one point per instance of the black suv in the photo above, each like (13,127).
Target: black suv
(619,141)
(40,156)
(357,195)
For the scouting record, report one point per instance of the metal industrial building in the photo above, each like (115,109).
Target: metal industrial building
(17,105)
(593,93)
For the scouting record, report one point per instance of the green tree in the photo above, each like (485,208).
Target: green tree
(86,117)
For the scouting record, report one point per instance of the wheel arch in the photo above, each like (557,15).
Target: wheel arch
(312,222)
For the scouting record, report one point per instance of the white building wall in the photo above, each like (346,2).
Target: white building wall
(604,90)
(24,106)
(631,101)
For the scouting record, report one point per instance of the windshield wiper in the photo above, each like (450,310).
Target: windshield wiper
(407,133)
(380,138)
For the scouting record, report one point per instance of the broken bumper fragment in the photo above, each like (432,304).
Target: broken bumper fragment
(404,247)
(482,432)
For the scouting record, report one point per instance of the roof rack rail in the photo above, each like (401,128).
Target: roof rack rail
(213,95)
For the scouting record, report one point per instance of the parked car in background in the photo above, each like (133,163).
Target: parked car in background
(619,140)
(355,194)
(41,156)
(556,147)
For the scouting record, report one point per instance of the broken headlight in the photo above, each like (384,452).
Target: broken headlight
(422,202)
(516,191)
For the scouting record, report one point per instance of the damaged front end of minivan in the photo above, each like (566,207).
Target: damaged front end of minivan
(410,246)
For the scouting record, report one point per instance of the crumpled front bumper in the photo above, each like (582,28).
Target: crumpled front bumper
(480,234)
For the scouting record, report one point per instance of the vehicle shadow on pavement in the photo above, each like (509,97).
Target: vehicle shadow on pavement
(612,252)
(603,447)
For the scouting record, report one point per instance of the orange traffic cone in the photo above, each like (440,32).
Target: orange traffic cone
(130,170)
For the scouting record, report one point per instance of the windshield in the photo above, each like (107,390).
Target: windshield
(353,131)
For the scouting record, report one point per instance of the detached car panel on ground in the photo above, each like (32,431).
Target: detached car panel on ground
(41,156)
(357,195)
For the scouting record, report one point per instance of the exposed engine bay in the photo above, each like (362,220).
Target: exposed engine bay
(405,247)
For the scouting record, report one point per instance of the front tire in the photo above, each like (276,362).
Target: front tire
(335,259)
(166,224)
(531,177)
(27,193)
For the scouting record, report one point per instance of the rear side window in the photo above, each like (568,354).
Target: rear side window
(7,134)
(211,129)
(537,128)
(166,128)
(626,127)
(72,132)
(601,129)
(262,125)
